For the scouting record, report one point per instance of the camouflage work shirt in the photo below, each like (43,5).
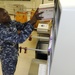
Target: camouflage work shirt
(8,33)
(10,37)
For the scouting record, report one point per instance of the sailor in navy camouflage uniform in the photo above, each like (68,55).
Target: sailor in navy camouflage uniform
(9,37)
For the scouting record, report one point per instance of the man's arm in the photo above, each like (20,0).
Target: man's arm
(25,30)
(11,36)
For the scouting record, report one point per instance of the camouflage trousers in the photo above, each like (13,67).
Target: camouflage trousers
(9,58)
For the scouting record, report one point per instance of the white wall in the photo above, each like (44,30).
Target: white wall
(27,4)
(47,1)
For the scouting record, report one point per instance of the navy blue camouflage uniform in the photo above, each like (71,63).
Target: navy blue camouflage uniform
(8,39)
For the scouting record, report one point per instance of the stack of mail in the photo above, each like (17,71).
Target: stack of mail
(43,28)
(48,10)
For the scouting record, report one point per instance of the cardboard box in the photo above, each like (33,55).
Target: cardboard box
(43,28)
(48,10)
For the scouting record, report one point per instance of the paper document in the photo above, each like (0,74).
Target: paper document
(48,11)
(42,69)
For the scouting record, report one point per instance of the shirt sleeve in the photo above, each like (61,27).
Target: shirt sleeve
(26,29)
(12,36)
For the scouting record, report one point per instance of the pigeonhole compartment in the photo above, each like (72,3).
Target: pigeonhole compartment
(41,45)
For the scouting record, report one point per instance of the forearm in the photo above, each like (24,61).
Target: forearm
(24,33)
(13,36)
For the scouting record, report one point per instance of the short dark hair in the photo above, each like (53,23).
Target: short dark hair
(2,9)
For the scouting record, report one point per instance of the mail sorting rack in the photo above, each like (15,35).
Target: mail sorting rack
(62,52)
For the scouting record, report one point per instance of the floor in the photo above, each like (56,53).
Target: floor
(24,59)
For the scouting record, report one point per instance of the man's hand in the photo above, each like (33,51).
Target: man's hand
(36,17)
(19,31)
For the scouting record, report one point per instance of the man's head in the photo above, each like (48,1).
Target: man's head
(4,16)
